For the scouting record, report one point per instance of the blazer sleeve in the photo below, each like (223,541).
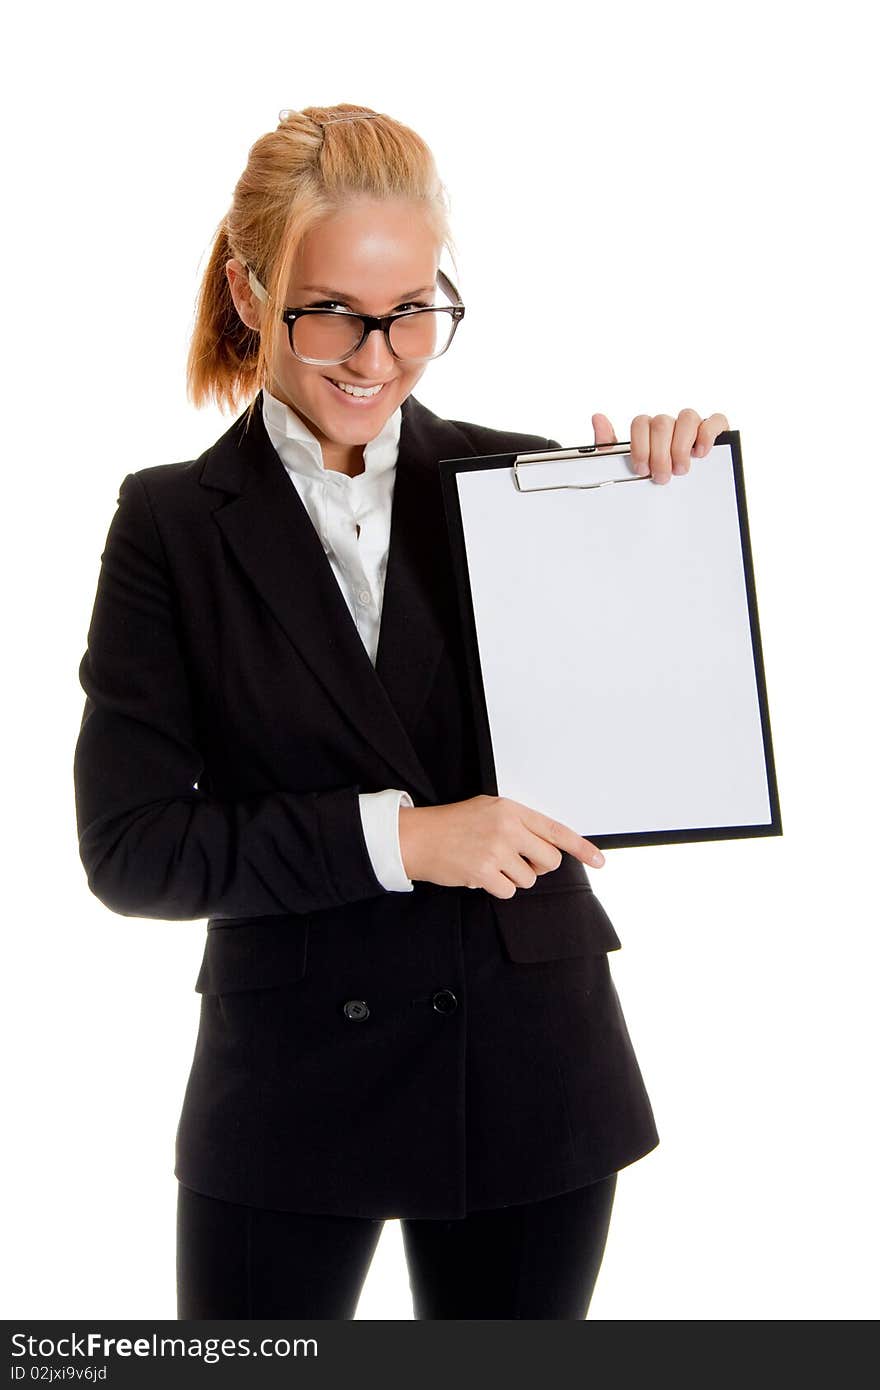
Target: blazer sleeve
(152,843)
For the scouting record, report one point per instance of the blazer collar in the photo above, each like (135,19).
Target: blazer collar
(265,524)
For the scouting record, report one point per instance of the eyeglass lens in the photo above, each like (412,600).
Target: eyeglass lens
(329,337)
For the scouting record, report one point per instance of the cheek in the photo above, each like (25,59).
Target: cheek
(300,381)
(412,375)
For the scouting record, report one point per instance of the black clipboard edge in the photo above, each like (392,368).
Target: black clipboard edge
(448,470)
(731,437)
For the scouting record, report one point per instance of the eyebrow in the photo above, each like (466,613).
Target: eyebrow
(351,299)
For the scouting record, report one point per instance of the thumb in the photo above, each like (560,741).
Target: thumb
(603,430)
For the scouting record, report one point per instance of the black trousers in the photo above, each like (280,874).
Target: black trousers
(538,1260)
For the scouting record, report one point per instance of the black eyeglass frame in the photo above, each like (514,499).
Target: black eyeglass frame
(371,322)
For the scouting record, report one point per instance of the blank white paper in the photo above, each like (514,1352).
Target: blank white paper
(615,648)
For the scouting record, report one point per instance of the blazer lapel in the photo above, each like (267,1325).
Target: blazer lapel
(271,534)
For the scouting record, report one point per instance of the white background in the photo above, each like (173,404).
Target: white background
(669,206)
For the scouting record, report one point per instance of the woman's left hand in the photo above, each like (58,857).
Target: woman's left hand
(661,445)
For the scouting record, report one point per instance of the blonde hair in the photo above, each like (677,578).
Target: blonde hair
(296,175)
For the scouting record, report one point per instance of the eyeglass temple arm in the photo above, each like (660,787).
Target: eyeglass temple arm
(444,281)
(257,288)
(447,286)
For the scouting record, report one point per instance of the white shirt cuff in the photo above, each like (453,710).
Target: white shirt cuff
(380,819)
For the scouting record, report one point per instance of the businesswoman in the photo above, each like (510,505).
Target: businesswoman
(406,1005)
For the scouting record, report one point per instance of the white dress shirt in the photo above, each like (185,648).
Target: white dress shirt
(352,517)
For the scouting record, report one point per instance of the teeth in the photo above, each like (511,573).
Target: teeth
(357,390)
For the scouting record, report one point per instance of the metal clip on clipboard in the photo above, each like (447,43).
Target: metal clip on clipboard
(580,451)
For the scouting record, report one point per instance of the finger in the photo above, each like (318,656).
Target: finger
(709,430)
(662,427)
(683,438)
(519,872)
(603,430)
(640,443)
(562,836)
(500,886)
(537,853)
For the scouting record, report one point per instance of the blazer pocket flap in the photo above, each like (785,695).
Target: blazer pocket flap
(555,923)
(253,953)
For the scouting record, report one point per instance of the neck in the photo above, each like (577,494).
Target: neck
(340,458)
(343,459)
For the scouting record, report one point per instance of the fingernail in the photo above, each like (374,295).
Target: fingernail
(598,860)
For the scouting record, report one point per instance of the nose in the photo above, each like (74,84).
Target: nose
(374,357)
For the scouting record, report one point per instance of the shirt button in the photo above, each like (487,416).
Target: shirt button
(363,596)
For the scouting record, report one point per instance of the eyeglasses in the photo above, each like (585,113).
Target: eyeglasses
(324,337)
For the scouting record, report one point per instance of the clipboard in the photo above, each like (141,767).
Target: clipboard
(612,641)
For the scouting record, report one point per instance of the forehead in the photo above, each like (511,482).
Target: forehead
(369,248)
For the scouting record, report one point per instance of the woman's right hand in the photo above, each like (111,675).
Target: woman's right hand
(486,842)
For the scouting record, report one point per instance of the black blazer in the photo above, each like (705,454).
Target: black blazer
(232,717)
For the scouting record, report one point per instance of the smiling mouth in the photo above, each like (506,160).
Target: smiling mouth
(356,392)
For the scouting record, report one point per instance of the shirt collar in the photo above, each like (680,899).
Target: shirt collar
(300,451)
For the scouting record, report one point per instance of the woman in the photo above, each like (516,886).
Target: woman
(406,1004)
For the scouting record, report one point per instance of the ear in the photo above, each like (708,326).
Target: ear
(243,297)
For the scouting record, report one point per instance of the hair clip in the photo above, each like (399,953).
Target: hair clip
(355,116)
(331,120)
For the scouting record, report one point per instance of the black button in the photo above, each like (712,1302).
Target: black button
(356,1009)
(445,1002)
